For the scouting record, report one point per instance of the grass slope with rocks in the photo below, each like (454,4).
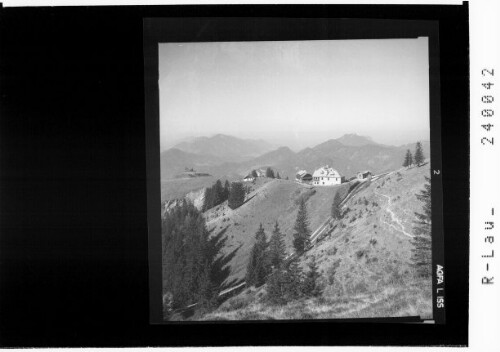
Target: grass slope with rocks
(364,261)
(270,200)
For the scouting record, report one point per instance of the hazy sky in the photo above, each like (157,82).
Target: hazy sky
(295,93)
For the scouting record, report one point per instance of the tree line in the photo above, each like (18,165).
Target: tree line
(418,158)
(269,173)
(218,194)
(193,265)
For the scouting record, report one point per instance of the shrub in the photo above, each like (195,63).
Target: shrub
(331,271)
(332,251)
(360,287)
(360,253)
(396,277)
(373,241)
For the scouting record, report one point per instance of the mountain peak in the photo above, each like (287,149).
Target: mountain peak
(222,136)
(354,140)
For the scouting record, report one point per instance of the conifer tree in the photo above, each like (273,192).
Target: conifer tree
(218,191)
(269,173)
(336,211)
(312,285)
(194,268)
(207,294)
(254,174)
(277,248)
(276,287)
(226,190)
(408,162)
(405,161)
(422,242)
(204,205)
(419,154)
(236,195)
(293,280)
(278,176)
(301,228)
(257,268)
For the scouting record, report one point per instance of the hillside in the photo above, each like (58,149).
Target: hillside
(364,261)
(273,200)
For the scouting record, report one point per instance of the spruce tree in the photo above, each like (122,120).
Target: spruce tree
(405,161)
(293,280)
(257,268)
(276,287)
(419,154)
(278,176)
(236,195)
(312,285)
(254,174)
(207,296)
(194,266)
(226,190)
(218,193)
(408,162)
(422,242)
(277,248)
(269,173)
(336,211)
(204,207)
(301,228)
(209,199)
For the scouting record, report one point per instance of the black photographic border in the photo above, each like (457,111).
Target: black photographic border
(171,30)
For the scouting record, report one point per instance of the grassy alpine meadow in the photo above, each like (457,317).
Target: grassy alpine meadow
(364,262)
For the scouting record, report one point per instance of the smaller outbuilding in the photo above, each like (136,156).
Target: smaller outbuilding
(249,178)
(364,175)
(303,176)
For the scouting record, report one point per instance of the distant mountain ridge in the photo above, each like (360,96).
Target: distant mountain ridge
(348,154)
(226,147)
(353,140)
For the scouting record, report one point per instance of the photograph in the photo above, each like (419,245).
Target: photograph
(256,176)
(295,180)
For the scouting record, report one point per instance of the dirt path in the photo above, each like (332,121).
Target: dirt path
(393,216)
